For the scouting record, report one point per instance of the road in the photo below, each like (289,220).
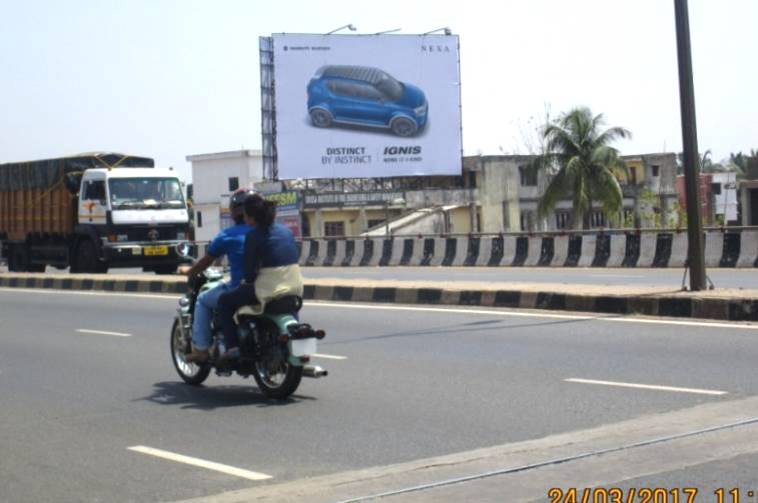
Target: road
(406,383)
(722,278)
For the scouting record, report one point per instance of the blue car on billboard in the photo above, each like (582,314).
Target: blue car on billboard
(365,96)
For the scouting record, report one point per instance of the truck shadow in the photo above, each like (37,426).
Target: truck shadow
(207,398)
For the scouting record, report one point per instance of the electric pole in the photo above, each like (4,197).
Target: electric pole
(695,255)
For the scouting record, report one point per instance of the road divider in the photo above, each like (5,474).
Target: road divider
(731,305)
(736,247)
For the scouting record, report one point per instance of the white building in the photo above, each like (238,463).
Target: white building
(724,190)
(214,177)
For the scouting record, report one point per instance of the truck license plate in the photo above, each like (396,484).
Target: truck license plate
(152,251)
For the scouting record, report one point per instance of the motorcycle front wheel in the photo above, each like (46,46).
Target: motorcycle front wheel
(277,380)
(191,373)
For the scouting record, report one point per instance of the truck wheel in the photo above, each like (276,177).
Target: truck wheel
(17,259)
(86,259)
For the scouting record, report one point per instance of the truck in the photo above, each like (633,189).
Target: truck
(91,212)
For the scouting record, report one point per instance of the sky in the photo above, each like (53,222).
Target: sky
(170,78)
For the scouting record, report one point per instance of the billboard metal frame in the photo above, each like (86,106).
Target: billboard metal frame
(268,108)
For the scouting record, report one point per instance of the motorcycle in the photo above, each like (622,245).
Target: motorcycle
(274,346)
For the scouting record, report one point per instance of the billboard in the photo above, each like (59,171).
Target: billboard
(354,106)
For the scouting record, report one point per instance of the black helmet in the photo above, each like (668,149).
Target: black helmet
(238,198)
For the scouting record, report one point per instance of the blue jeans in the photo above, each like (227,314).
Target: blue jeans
(201,322)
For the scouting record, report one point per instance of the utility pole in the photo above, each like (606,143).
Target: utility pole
(695,255)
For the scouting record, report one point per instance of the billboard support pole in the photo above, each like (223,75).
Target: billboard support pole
(268,109)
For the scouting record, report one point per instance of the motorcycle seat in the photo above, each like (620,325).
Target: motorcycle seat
(283,305)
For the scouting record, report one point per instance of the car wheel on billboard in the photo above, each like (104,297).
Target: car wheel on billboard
(321,117)
(403,126)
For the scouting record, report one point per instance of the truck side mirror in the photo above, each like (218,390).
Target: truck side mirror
(73,181)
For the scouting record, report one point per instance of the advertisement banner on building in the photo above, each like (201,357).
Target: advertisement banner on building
(354,106)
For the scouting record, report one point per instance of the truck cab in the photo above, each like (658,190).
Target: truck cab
(130,217)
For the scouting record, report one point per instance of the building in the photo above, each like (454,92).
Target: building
(492,194)
(724,198)
(214,177)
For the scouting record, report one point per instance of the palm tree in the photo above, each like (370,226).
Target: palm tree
(584,165)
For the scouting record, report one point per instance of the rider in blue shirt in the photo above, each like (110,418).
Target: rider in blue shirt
(229,242)
(268,245)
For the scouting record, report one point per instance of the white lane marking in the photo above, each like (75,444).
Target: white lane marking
(647,386)
(101,332)
(525,314)
(328,357)
(209,465)
(531,314)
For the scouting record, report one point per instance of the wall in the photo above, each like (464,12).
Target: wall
(211,173)
(210,181)
(460,220)
(210,226)
(498,184)
(726,202)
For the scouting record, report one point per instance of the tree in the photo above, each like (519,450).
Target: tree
(583,164)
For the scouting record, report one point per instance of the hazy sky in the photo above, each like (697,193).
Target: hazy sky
(168,78)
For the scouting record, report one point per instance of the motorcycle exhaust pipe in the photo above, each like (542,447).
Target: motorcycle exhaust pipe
(314,371)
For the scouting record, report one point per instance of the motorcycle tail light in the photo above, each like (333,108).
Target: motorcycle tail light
(305,359)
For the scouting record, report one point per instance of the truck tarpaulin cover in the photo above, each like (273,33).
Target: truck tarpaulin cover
(47,173)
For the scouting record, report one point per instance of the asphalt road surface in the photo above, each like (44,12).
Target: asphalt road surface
(722,278)
(84,377)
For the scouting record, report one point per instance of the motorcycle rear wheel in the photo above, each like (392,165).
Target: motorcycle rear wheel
(191,373)
(280,384)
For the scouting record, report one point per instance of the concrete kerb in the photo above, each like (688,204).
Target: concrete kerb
(589,243)
(714,247)
(461,251)
(658,304)
(534,251)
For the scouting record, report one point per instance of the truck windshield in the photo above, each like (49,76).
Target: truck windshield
(145,193)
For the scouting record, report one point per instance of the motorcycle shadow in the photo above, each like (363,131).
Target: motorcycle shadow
(214,397)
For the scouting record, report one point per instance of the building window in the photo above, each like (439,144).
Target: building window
(199,218)
(562,219)
(334,229)
(528,176)
(598,219)
(656,169)
(234,183)
(527,220)
(375,223)
(716,189)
